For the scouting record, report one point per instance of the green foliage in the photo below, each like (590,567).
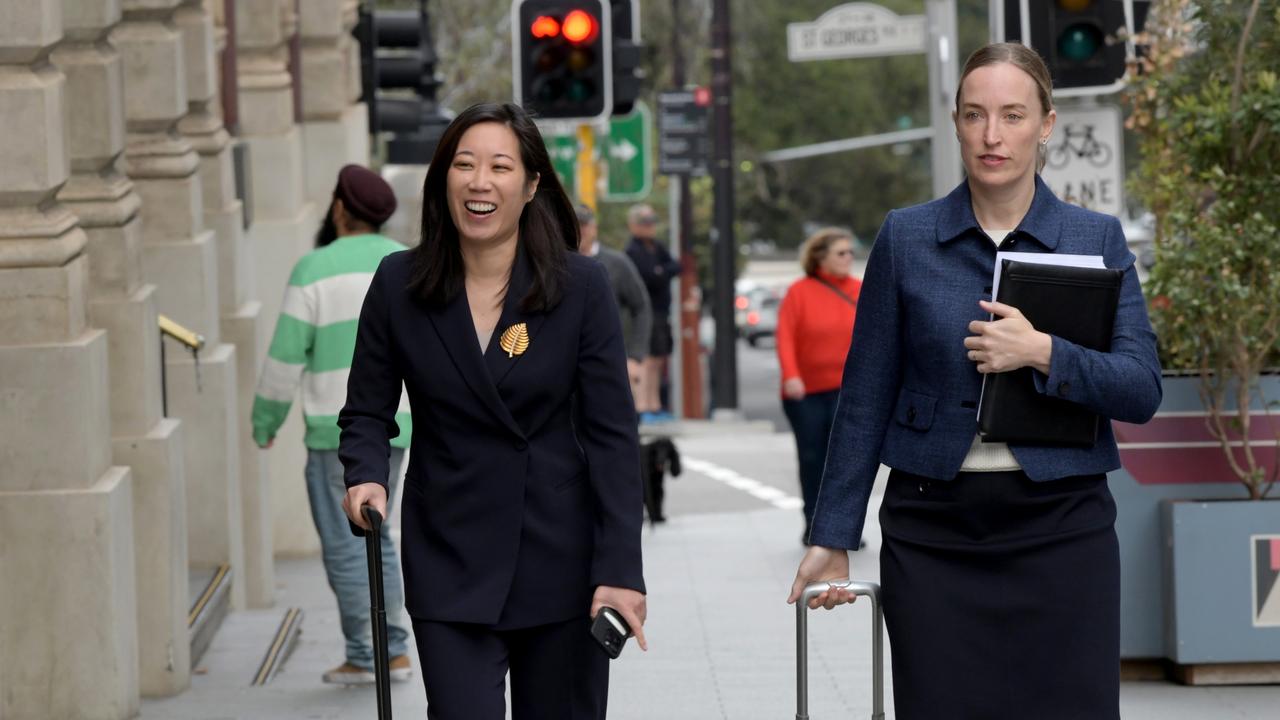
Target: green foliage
(780,104)
(1207,112)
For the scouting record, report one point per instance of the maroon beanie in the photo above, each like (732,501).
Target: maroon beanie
(365,194)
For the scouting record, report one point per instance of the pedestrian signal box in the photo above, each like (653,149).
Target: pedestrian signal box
(562,58)
(628,76)
(1080,40)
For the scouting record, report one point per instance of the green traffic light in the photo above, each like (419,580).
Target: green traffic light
(1080,42)
(580,90)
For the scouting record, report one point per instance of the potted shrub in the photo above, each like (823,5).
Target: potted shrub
(1206,109)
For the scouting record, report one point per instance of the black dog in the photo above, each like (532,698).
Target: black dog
(657,458)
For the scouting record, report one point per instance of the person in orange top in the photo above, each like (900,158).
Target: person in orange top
(815,327)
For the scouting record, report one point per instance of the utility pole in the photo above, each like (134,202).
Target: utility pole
(688,302)
(724,375)
(944,64)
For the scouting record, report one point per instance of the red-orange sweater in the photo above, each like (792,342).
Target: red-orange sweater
(815,327)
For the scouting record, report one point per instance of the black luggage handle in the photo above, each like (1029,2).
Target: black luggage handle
(872,592)
(378,610)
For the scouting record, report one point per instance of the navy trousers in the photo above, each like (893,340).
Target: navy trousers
(558,672)
(811,418)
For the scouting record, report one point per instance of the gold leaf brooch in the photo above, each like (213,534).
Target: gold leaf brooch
(515,340)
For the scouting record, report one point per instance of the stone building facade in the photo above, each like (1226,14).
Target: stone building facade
(125,195)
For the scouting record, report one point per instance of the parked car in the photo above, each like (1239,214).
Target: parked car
(756,312)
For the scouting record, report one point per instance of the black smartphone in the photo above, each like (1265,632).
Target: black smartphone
(611,631)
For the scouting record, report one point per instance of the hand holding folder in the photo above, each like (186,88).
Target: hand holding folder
(1075,302)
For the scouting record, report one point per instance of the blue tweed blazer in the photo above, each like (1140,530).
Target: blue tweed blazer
(909,394)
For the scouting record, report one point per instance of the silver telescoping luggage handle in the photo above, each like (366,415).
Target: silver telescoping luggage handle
(868,590)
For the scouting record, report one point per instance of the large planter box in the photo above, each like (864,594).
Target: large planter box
(1221,564)
(1170,458)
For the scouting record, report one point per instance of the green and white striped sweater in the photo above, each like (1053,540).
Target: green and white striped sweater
(315,338)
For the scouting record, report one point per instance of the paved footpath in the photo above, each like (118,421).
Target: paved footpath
(722,641)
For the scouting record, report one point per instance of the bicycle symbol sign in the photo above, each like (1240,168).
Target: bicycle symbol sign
(1078,142)
(1084,161)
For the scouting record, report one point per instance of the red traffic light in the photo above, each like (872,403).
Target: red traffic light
(545,26)
(580,26)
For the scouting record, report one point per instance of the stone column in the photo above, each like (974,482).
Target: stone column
(240,318)
(68,615)
(335,126)
(180,256)
(284,225)
(102,197)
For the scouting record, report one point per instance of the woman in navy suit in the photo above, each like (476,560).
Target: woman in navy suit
(522,504)
(999,565)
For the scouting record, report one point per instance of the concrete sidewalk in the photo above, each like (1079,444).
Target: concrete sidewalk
(722,641)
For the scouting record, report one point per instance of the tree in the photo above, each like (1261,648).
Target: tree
(1206,108)
(777,104)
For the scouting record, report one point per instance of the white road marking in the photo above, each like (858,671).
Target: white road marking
(737,481)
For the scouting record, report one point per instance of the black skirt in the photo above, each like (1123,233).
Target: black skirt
(1002,597)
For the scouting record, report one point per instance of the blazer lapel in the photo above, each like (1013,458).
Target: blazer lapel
(457,332)
(499,361)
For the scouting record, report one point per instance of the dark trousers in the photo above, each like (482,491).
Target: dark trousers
(558,672)
(811,419)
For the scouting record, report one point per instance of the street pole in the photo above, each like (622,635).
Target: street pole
(675,243)
(943,72)
(724,376)
(586,170)
(995,21)
(688,305)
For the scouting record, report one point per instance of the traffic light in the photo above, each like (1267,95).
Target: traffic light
(562,58)
(397,53)
(627,51)
(1077,39)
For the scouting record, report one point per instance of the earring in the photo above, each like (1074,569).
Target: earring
(1044,141)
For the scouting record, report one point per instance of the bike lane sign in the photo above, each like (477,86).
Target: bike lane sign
(1084,164)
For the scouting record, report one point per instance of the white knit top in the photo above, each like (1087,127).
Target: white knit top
(990,457)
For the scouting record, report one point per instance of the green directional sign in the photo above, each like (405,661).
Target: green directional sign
(628,153)
(564,158)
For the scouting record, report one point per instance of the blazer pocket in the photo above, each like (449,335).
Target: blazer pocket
(915,410)
(566,484)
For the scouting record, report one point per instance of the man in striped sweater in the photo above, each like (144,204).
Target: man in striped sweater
(314,340)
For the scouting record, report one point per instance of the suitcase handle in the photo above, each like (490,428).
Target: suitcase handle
(377,610)
(865,589)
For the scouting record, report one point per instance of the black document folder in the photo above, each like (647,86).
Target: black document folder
(1074,303)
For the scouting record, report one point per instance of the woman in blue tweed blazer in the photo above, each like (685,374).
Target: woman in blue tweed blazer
(999,566)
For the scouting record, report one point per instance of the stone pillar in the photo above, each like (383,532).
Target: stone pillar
(240,318)
(335,126)
(68,614)
(284,225)
(102,197)
(180,256)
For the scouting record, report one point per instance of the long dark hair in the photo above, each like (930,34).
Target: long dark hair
(328,231)
(548,227)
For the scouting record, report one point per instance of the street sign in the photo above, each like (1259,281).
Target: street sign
(563,150)
(1085,161)
(853,30)
(684,145)
(628,154)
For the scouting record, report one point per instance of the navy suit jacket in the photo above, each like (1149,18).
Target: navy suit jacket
(909,394)
(517,504)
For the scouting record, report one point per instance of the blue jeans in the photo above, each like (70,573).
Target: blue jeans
(811,418)
(346,563)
